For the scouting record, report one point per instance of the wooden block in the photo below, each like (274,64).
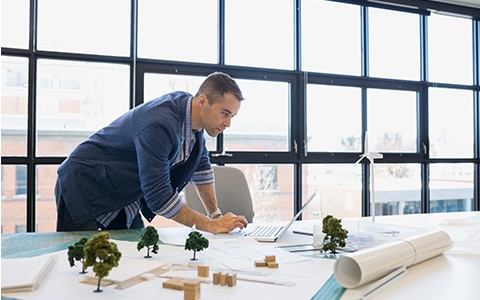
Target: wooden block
(269,258)
(260,263)
(173,283)
(223,278)
(191,289)
(272,264)
(203,271)
(216,278)
(232,279)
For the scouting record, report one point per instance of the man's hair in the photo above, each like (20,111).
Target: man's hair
(216,85)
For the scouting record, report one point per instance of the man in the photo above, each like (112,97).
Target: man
(143,159)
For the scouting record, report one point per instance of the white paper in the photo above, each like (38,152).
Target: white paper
(23,274)
(354,269)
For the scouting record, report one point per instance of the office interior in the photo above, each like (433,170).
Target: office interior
(324,82)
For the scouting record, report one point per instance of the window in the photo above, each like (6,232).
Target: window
(331,37)
(181,30)
(15,23)
(450,135)
(333,118)
(21,180)
(316,76)
(78,99)
(394,50)
(14,106)
(254,36)
(392,120)
(83,26)
(450,49)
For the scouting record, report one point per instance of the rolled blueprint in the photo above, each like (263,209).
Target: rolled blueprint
(354,269)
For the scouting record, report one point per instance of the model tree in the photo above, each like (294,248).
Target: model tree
(196,242)
(149,239)
(75,253)
(102,254)
(335,235)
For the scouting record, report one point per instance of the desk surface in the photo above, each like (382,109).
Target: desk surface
(453,275)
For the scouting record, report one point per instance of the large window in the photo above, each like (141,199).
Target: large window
(323,81)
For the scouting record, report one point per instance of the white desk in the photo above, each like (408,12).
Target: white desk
(453,275)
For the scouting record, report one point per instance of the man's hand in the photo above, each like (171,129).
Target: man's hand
(227,223)
(221,224)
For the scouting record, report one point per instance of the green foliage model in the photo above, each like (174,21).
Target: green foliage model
(196,242)
(102,254)
(75,253)
(149,239)
(335,235)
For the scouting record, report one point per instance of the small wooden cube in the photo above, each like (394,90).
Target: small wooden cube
(260,263)
(173,283)
(232,279)
(223,278)
(269,258)
(216,278)
(272,264)
(191,289)
(203,271)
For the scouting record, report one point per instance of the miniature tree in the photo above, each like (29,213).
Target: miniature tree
(149,239)
(196,242)
(102,254)
(76,253)
(335,235)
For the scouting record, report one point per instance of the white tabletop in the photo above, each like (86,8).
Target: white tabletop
(453,275)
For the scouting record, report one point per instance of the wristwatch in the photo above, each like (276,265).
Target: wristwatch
(215,213)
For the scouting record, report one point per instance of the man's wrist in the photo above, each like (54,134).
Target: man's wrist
(215,213)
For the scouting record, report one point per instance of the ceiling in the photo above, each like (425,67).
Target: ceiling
(469,3)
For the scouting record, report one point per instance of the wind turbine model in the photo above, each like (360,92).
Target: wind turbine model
(371,156)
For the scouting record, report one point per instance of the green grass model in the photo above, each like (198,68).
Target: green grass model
(102,254)
(335,235)
(196,242)
(149,239)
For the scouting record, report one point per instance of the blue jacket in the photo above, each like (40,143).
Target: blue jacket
(131,159)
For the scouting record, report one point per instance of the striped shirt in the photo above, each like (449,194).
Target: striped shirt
(174,204)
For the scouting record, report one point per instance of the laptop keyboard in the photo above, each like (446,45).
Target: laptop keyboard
(264,231)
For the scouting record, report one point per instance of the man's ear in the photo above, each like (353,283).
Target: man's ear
(202,99)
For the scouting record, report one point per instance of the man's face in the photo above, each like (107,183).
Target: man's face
(218,116)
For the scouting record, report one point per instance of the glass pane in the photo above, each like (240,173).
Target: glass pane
(394,51)
(46,208)
(14,106)
(339,191)
(262,121)
(450,49)
(392,121)
(451,187)
(333,118)
(331,37)
(450,136)
(15,23)
(84,26)
(14,203)
(157,85)
(272,195)
(183,30)
(75,99)
(259,33)
(397,189)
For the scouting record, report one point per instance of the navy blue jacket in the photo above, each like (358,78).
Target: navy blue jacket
(131,159)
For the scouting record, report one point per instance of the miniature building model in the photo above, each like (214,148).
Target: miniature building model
(268,261)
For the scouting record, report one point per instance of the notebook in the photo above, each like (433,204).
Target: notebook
(271,233)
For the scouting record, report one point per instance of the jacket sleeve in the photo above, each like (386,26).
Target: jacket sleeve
(155,147)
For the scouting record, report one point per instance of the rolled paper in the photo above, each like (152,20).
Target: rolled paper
(354,269)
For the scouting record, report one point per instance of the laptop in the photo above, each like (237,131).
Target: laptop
(271,233)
